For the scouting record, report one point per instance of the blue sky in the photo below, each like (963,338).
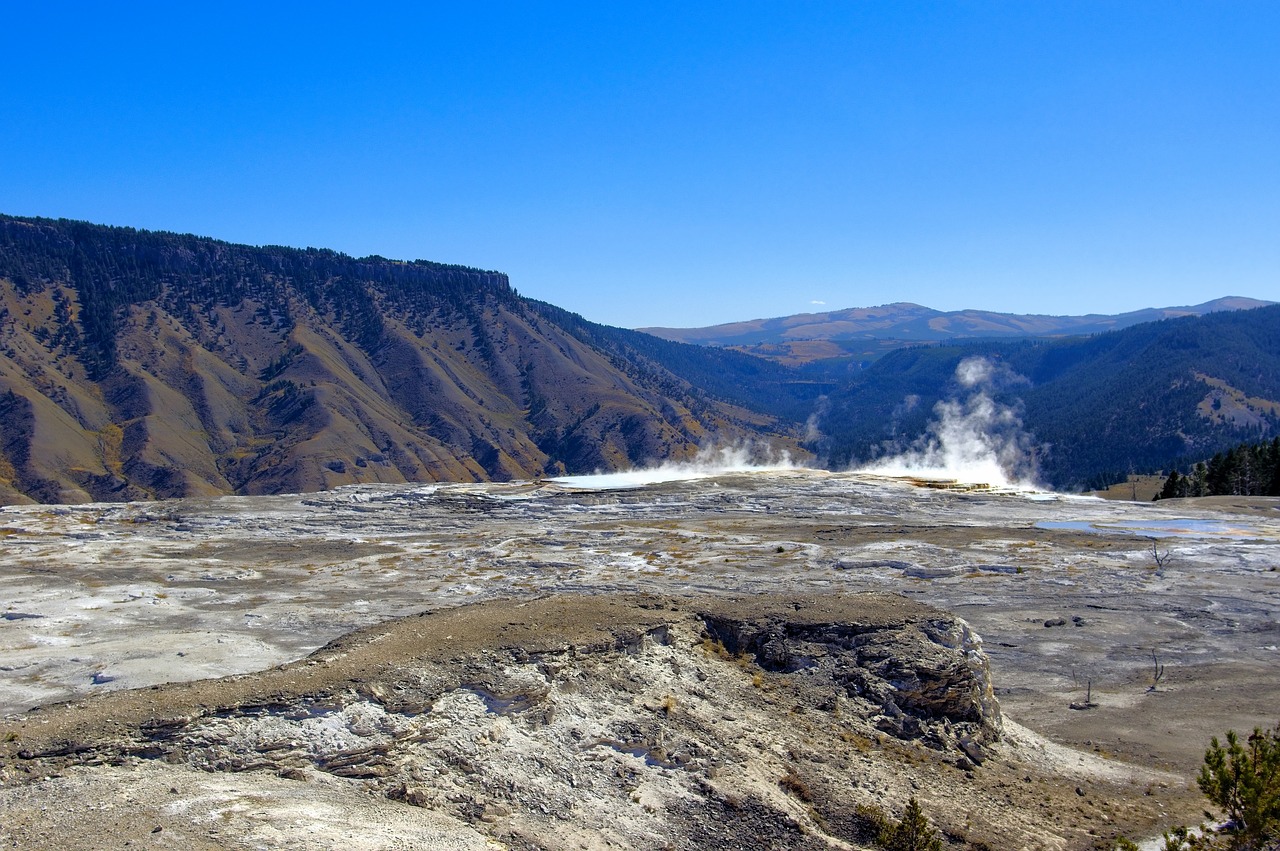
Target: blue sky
(681,163)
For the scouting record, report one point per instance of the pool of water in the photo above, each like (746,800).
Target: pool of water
(1180,527)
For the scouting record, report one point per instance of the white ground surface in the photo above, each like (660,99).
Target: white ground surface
(99,597)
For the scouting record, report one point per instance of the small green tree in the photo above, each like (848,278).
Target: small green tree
(1199,485)
(912,833)
(1243,779)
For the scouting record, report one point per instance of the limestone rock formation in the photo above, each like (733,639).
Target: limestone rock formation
(641,721)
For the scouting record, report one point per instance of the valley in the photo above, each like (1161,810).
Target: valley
(303,549)
(150,365)
(815,426)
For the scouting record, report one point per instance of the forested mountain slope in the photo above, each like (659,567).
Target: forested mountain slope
(864,334)
(139,364)
(1141,399)
(905,321)
(136,364)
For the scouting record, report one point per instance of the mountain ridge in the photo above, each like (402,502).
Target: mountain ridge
(1134,400)
(139,364)
(805,337)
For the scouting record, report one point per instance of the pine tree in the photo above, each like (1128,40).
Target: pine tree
(1174,487)
(1245,782)
(913,832)
(1199,480)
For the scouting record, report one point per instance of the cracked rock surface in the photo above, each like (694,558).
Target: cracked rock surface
(688,664)
(568,721)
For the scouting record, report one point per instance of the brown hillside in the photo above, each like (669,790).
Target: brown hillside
(137,365)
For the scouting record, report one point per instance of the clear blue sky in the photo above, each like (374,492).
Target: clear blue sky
(681,163)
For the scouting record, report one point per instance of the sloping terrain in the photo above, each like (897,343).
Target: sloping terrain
(140,365)
(705,648)
(1137,400)
(905,323)
(573,722)
(136,365)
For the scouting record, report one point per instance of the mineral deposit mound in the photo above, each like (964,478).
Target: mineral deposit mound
(569,721)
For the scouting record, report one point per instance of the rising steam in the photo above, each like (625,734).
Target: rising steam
(972,439)
(710,461)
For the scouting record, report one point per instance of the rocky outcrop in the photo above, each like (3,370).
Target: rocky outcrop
(642,721)
(921,678)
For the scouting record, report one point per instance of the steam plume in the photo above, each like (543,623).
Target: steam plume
(710,461)
(972,440)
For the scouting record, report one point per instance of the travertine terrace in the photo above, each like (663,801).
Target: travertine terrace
(1065,592)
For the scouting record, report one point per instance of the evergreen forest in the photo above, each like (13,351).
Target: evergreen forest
(1251,469)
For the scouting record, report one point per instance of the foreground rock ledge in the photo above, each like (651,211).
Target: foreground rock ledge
(568,722)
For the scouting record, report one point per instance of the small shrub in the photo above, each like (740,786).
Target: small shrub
(872,822)
(912,833)
(792,784)
(1179,839)
(1244,781)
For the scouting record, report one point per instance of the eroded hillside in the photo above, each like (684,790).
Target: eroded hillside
(575,722)
(141,365)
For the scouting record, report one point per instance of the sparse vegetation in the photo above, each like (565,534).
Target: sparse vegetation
(872,820)
(1161,559)
(1241,779)
(1087,703)
(321,340)
(793,784)
(912,833)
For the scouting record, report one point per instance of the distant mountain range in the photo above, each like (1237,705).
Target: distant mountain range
(870,332)
(1094,408)
(138,364)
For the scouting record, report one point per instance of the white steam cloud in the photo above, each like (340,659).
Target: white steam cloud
(709,462)
(974,440)
(974,371)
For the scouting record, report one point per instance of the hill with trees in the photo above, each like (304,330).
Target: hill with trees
(1145,399)
(1250,469)
(138,364)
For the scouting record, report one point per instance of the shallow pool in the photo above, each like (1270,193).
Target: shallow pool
(1181,527)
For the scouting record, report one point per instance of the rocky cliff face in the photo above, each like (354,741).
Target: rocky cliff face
(572,721)
(921,679)
(137,365)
